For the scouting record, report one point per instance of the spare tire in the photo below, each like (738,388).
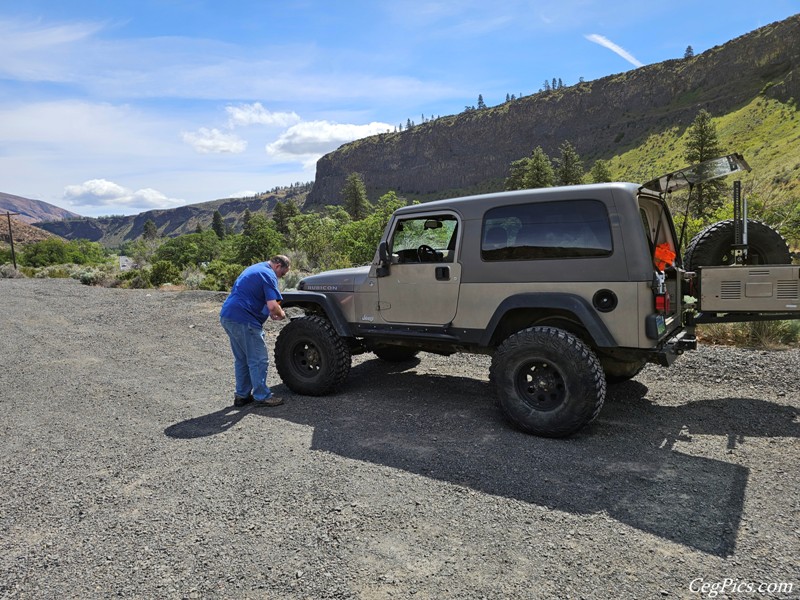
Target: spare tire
(714,246)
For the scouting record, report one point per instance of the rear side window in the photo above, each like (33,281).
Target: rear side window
(562,229)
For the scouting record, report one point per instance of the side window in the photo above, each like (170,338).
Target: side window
(425,239)
(562,229)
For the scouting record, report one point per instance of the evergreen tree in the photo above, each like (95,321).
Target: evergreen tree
(600,172)
(218,225)
(354,197)
(539,173)
(703,144)
(689,52)
(569,167)
(198,228)
(246,217)
(150,231)
(282,214)
(481,103)
(516,176)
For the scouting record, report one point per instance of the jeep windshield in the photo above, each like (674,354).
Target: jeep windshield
(699,173)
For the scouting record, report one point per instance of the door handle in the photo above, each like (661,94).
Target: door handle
(443,273)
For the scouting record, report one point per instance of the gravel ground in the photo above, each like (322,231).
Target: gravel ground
(126,472)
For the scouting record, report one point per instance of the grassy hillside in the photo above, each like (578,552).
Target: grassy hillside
(765,131)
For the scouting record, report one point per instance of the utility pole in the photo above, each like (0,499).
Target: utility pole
(11,238)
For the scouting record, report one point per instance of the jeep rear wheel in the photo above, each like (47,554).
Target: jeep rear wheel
(548,382)
(713,246)
(311,358)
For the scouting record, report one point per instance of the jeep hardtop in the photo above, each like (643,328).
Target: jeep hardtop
(567,288)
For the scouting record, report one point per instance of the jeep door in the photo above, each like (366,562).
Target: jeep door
(424,274)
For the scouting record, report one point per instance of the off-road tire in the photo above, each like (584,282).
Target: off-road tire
(395,353)
(713,246)
(547,381)
(311,357)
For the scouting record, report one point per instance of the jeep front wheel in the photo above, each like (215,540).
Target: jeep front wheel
(311,358)
(548,382)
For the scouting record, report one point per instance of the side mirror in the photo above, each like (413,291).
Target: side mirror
(385,260)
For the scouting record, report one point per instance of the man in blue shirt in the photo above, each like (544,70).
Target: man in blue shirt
(253,299)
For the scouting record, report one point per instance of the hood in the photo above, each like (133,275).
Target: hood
(340,280)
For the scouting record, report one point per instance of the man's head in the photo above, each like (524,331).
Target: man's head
(280,264)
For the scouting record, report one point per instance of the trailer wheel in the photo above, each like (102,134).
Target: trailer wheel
(713,246)
(311,357)
(547,381)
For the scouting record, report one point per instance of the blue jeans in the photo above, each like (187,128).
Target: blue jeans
(250,359)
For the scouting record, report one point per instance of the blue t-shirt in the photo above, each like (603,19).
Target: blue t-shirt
(247,302)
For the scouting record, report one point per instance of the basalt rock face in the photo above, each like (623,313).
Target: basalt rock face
(472,151)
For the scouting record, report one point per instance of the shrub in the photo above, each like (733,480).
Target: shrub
(9,272)
(163,271)
(220,276)
(754,334)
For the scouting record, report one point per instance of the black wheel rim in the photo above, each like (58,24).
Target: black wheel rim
(540,384)
(306,358)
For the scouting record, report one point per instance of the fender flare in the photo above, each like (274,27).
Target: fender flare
(572,303)
(329,306)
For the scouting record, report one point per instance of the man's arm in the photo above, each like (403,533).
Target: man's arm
(275,311)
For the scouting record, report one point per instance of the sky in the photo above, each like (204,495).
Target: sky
(116,108)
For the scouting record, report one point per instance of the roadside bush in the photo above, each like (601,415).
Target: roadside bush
(163,272)
(220,276)
(192,278)
(137,279)
(93,277)
(9,272)
(755,334)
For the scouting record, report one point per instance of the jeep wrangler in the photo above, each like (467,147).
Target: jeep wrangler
(567,288)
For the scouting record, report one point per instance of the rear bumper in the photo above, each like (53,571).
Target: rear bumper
(669,350)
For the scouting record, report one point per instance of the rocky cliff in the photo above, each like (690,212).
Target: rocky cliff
(472,151)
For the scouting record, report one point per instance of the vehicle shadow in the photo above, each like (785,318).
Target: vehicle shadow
(623,465)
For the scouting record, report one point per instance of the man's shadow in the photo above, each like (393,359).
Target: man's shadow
(624,464)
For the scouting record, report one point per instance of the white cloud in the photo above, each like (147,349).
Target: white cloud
(103,194)
(213,141)
(606,43)
(312,139)
(256,114)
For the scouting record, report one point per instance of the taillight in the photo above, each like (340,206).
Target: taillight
(662,302)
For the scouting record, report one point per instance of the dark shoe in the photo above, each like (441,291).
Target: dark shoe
(239,402)
(269,401)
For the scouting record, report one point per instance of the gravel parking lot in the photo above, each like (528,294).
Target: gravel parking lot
(126,472)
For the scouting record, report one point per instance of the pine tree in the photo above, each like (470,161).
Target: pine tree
(218,225)
(150,231)
(689,52)
(600,172)
(539,173)
(354,197)
(516,176)
(569,168)
(282,214)
(703,144)
(481,103)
